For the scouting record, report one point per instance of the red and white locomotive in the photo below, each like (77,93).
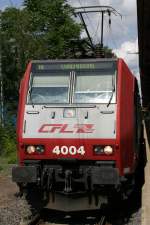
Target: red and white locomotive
(80,132)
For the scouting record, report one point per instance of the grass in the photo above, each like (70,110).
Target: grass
(5,166)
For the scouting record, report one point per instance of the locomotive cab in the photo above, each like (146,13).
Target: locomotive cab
(76,131)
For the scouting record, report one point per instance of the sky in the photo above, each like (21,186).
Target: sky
(121,36)
(7,3)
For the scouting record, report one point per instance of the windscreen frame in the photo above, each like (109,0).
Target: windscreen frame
(69,67)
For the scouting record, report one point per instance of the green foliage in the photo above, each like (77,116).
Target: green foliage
(8,144)
(41,30)
(108,52)
(51,22)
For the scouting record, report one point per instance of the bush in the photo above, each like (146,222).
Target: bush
(8,143)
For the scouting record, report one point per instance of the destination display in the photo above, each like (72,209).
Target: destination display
(39,67)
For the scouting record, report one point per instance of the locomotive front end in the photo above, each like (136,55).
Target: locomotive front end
(68,141)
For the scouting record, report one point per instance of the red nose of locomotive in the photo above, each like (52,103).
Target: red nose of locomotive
(76,125)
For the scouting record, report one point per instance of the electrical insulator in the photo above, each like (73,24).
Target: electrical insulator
(109,21)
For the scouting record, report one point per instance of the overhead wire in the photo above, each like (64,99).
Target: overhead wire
(111,36)
(86,14)
(90,22)
(98,25)
(99,3)
(95,31)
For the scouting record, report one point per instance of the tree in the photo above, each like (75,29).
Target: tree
(51,22)
(41,30)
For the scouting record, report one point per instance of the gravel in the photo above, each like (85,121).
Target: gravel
(13,210)
(15,213)
(135,219)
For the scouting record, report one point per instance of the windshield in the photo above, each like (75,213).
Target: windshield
(94,87)
(72,83)
(49,88)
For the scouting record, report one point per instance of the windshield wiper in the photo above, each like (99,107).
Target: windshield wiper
(30,94)
(30,91)
(113,90)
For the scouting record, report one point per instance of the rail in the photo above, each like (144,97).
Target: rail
(38,220)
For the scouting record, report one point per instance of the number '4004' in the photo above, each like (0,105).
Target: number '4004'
(65,150)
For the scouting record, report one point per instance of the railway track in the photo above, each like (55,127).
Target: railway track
(39,220)
(126,213)
(68,220)
(102,221)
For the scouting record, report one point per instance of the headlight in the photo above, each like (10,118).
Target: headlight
(39,149)
(98,149)
(30,149)
(108,150)
(101,150)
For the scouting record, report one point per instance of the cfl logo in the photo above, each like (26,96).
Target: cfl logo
(65,128)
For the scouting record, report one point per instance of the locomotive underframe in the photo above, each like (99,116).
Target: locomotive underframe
(86,185)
